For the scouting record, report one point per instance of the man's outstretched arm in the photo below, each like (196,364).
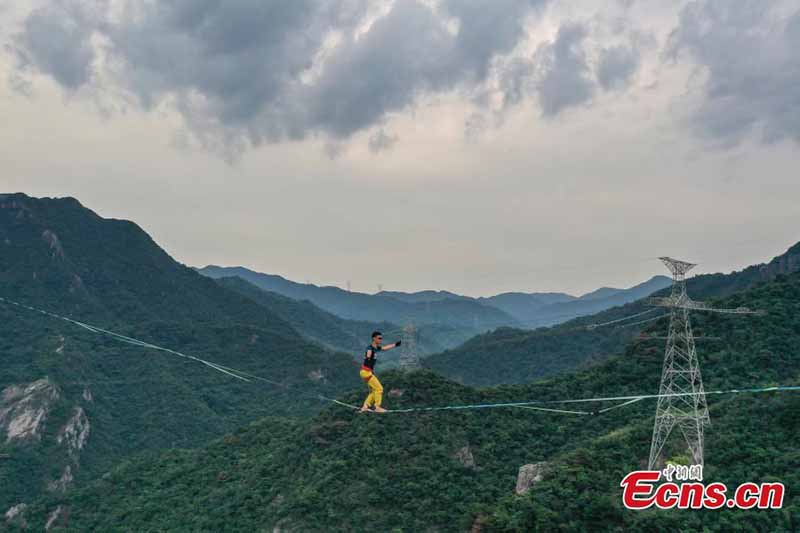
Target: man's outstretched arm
(390,346)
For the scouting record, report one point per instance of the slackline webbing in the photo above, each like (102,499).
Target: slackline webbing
(537,405)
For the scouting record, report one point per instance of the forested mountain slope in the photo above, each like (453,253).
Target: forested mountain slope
(509,355)
(752,437)
(452,470)
(73,402)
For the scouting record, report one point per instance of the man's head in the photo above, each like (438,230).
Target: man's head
(377,338)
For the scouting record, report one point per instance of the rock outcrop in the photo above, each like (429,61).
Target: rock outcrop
(62,342)
(478,523)
(24,409)
(62,483)
(465,457)
(56,519)
(16,516)
(73,437)
(75,432)
(529,475)
(55,244)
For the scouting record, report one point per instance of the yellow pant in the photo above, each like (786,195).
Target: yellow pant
(375,388)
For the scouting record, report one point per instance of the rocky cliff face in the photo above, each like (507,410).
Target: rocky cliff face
(75,433)
(465,457)
(72,437)
(529,475)
(16,516)
(53,241)
(24,409)
(783,264)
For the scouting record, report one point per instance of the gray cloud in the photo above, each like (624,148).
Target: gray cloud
(380,140)
(405,53)
(245,72)
(55,41)
(488,28)
(231,61)
(748,49)
(516,80)
(617,65)
(564,75)
(474,126)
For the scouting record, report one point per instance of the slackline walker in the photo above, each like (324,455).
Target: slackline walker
(367,372)
(536,405)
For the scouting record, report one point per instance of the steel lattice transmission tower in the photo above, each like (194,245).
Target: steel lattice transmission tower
(682,399)
(680,374)
(409,356)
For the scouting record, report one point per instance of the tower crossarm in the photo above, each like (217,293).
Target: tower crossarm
(677,267)
(693,305)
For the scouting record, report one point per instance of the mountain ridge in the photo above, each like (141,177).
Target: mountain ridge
(511,309)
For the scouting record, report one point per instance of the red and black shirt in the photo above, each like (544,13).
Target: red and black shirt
(370,357)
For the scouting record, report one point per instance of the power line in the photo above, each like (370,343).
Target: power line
(623,319)
(640,322)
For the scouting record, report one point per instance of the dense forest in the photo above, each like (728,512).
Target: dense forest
(451,471)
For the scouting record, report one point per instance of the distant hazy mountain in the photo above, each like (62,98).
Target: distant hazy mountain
(423,296)
(547,309)
(460,312)
(476,315)
(526,306)
(530,299)
(350,336)
(594,302)
(605,292)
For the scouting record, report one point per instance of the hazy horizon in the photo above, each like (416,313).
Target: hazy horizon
(388,289)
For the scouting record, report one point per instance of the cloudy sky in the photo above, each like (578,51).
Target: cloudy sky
(478,146)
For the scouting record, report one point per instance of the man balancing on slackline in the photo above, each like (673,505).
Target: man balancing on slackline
(375,388)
